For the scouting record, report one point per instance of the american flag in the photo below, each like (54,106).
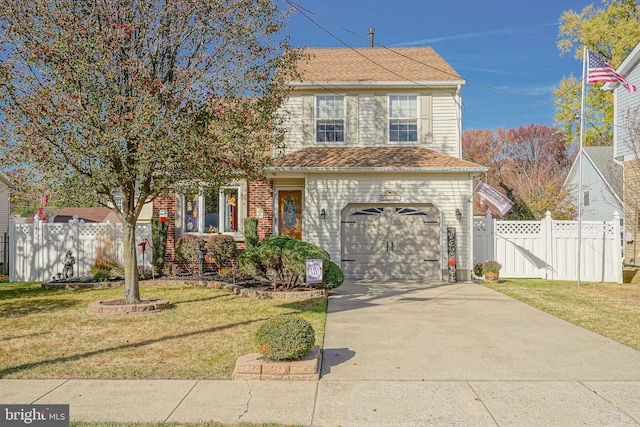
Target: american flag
(601,72)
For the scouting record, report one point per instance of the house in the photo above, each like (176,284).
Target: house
(5,206)
(601,183)
(86,215)
(371,171)
(626,149)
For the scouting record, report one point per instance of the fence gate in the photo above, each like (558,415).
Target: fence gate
(548,249)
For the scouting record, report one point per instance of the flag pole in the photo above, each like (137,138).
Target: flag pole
(580,191)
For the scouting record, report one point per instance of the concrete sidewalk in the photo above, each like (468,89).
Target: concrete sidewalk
(403,354)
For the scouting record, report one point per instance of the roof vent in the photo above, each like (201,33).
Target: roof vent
(372,32)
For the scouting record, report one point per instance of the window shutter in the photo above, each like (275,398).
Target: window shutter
(426,130)
(307,119)
(351,119)
(179,207)
(381,119)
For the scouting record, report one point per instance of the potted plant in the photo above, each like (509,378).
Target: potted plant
(491,271)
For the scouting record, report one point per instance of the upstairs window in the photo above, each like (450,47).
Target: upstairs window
(330,118)
(403,118)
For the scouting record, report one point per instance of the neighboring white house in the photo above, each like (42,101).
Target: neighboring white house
(601,183)
(5,206)
(372,170)
(626,148)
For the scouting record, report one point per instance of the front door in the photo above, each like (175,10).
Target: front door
(290,213)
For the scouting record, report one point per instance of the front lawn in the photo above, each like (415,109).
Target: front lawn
(610,309)
(47,334)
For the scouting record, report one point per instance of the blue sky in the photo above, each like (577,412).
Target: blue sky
(497,46)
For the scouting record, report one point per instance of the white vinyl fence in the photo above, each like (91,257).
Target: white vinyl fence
(37,250)
(548,249)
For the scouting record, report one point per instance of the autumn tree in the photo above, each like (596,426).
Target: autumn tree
(612,31)
(136,98)
(528,164)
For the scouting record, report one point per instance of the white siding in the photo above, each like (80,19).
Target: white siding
(333,193)
(602,203)
(446,124)
(624,102)
(4,209)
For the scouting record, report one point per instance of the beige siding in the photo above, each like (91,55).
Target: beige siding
(367,119)
(4,209)
(446,125)
(293,111)
(333,193)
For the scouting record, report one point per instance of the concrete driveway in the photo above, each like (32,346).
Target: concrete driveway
(410,353)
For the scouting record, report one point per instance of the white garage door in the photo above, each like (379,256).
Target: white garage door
(391,242)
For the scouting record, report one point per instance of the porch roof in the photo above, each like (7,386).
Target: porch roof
(371,159)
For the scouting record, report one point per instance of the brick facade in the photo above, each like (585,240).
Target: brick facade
(260,195)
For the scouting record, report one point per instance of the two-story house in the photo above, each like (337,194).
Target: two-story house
(626,149)
(372,169)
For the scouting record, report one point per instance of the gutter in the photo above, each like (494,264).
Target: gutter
(312,169)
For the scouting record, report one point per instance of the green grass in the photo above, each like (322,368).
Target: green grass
(47,334)
(609,309)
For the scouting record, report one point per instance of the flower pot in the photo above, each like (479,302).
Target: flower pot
(491,277)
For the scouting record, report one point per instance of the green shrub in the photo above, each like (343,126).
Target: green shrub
(285,260)
(478,269)
(222,247)
(287,337)
(332,275)
(295,254)
(250,232)
(159,233)
(188,251)
(170,270)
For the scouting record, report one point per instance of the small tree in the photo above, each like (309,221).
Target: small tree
(128,98)
(159,234)
(250,232)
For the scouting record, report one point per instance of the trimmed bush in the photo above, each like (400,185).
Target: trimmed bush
(222,247)
(159,233)
(188,251)
(287,337)
(250,232)
(332,275)
(285,260)
(295,254)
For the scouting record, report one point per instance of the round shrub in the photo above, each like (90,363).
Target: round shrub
(222,247)
(287,337)
(332,275)
(188,251)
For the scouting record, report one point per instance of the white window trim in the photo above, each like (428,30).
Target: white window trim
(344,118)
(418,113)
(221,202)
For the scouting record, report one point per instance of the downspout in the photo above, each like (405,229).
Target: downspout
(458,100)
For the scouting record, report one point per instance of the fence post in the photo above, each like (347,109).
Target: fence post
(617,247)
(547,235)
(491,235)
(12,248)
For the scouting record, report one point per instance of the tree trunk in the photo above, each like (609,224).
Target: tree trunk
(131,286)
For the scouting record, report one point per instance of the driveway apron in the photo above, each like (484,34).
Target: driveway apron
(438,331)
